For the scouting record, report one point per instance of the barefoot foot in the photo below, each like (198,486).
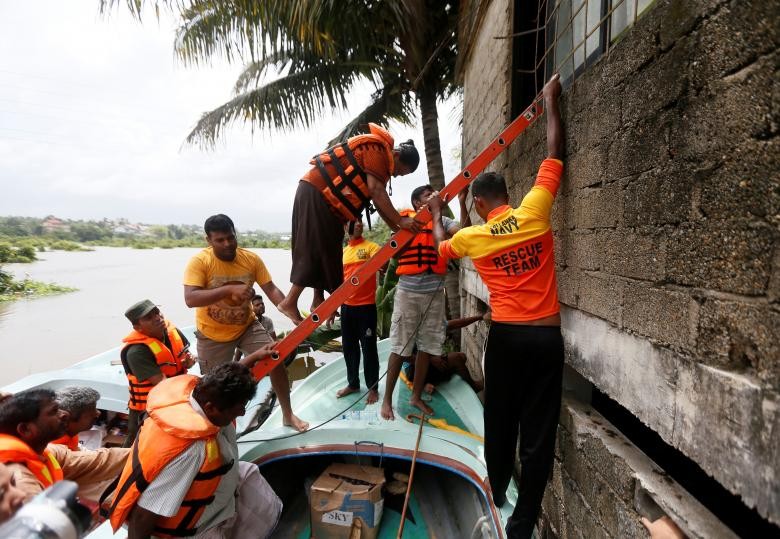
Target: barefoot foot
(387,411)
(290,311)
(429,389)
(373,396)
(295,422)
(424,408)
(344,391)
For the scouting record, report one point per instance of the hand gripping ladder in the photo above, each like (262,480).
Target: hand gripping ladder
(397,242)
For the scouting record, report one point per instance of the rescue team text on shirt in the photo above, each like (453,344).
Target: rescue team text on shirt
(519,260)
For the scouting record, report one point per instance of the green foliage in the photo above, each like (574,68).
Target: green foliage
(19,226)
(22,237)
(304,58)
(66,245)
(12,289)
(321,339)
(380,233)
(17,253)
(90,231)
(385,294)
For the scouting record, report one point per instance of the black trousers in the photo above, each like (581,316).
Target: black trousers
(523,376)
(358,330)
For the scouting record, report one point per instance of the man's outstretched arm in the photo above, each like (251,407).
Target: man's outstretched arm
(435,204)
(196,296)
(551,92)
(386,210)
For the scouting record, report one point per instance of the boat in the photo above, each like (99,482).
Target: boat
(449,495)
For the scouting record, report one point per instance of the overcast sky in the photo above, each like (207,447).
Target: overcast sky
(94,110)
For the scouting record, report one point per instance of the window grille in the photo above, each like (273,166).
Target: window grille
(566,37)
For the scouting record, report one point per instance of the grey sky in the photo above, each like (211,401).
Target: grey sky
(93,112)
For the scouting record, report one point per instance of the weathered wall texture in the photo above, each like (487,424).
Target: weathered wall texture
(667,227)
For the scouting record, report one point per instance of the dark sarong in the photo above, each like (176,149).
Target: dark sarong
(317,236)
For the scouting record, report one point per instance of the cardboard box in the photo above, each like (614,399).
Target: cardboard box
(114,440)
(346,502)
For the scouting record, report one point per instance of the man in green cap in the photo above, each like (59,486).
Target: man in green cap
(153,351)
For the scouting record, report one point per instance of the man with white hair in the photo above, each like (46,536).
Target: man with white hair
(80,407)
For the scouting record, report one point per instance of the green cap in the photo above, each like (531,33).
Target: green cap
(142,308)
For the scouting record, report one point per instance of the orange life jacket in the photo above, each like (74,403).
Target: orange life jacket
(169,360)
(173,425)
(72,442)
(44,467)
(421,255)
(347,192)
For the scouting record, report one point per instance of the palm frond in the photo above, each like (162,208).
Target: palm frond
(298,62)
(388,103)
(295,100)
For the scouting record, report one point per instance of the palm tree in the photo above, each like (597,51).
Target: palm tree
(321,50)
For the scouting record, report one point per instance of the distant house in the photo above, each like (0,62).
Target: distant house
(131,229)
(54,224)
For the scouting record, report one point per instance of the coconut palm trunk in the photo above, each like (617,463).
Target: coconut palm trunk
(430,124)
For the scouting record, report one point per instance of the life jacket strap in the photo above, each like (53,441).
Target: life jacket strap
(419,255)
(136,478)
(216,472)
(346,181)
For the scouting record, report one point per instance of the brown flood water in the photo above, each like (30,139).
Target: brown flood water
(55,332)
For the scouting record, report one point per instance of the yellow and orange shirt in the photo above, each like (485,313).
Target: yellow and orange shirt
(356,253)
(513,252)
(225,320)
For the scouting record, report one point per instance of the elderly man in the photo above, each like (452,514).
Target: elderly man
(80,407)
(185,477)
(153,351)
(29,422)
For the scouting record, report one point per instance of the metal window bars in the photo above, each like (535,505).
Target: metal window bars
(576,33)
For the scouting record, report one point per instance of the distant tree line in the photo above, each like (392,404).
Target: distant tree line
(22,237)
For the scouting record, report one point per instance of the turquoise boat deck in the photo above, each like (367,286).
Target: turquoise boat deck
(449,494)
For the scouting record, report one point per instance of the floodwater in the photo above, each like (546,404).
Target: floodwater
(55,332)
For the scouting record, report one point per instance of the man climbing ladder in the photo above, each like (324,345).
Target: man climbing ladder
(397,242)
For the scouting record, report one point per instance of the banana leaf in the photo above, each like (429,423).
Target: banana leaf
(321,339)
(385,293)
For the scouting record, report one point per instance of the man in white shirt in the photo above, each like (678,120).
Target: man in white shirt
(184,475)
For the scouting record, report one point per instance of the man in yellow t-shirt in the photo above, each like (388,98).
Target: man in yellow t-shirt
(219,282)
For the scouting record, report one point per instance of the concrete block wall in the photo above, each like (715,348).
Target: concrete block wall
(599,479)
(667,226)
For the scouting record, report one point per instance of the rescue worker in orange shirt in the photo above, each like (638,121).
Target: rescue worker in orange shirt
(513,253)
(344,182)
(153,351)
(358,318)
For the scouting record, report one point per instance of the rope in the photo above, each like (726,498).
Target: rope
(345,410)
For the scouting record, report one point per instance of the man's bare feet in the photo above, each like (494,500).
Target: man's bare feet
(295,422)
(290,310)
(387,410)
(424,408)
(429,389)
(373,396)
(344,391)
